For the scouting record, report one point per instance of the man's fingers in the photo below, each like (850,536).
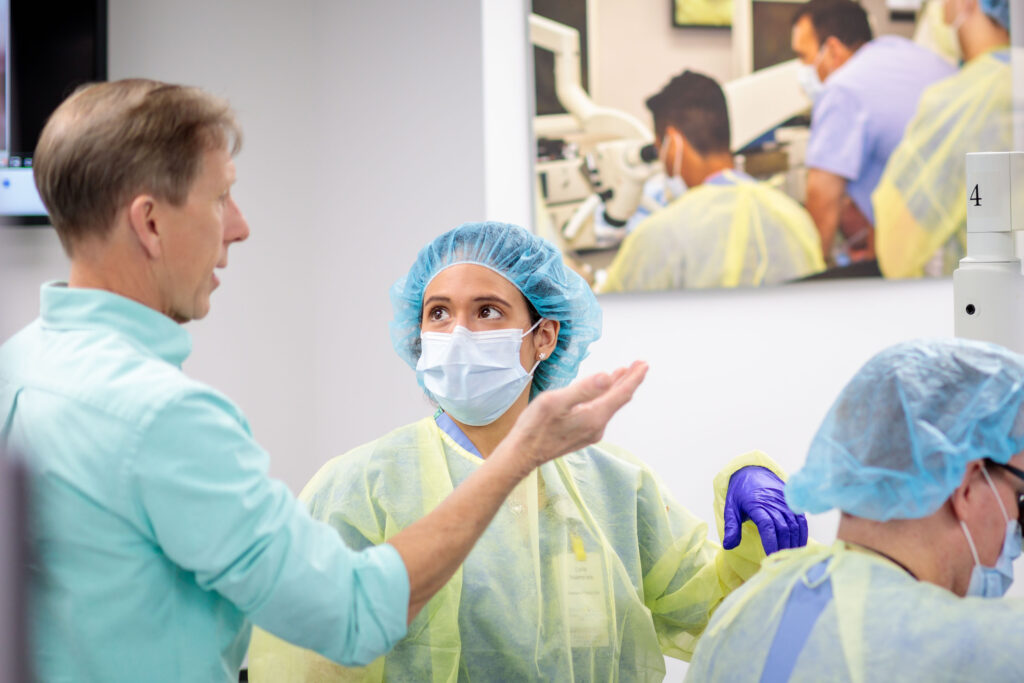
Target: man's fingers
(583,390)
(621,392)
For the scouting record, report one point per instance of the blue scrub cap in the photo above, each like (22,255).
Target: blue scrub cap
(999,10)
(533,265)
(896,443)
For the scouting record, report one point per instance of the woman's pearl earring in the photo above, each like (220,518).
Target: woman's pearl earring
(540,357)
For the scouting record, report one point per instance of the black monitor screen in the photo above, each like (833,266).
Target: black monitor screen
(47,49)
(772,23)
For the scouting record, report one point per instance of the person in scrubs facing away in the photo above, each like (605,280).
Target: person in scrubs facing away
(922,454)
(921,200)
(158,537)
(727,229)
(591,571)
(864,91)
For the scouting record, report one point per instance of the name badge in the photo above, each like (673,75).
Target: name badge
(587,598)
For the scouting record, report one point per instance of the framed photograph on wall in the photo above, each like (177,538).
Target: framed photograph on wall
(702,13)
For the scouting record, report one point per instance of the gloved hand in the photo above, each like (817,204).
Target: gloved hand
(755,493)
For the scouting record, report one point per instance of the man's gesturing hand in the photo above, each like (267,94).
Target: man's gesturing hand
(565,420)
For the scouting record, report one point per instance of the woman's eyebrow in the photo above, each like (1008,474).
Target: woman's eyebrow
(491,297)
(441,299)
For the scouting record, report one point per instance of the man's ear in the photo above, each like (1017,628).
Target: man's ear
(836,53)
(143,214)
(961,499)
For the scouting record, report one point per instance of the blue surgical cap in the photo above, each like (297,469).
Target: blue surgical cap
(999,10)
(896,443)
(530,263)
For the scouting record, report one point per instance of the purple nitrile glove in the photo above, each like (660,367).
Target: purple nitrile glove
(755,493)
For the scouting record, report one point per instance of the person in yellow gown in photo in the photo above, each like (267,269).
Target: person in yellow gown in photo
(727,229)
(921,200)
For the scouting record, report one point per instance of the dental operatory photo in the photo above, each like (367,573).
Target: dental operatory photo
(511,340)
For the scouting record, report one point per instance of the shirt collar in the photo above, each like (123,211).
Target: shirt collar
(69,308)
(728,176)
(449,427)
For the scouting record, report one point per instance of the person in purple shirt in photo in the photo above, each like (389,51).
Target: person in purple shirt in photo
(865,90)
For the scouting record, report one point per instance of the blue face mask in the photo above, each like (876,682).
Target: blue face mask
(474,376)
(993,582)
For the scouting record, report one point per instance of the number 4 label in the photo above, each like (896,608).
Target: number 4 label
(975,196)
(988,200)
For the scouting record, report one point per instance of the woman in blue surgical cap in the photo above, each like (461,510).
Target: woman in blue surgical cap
(591,571)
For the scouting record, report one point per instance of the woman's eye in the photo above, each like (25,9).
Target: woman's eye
(437,314)
(490,312)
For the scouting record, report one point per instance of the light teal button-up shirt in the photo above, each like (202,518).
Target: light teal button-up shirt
(158,535)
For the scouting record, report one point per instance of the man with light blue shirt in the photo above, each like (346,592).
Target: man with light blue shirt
(158,536)
(865,91)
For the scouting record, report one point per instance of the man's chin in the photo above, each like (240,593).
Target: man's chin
(198,313)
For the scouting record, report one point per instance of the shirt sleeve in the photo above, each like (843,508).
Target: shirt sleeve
(204,491)
(839,134)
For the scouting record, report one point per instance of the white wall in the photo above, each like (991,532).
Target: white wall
(635,51)
(733,371)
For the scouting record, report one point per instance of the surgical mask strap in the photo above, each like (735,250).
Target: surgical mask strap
(958,21)
(677,158)
(1002,508)
(535,325)
(970,542)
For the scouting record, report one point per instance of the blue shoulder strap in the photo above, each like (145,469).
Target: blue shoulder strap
(805,605)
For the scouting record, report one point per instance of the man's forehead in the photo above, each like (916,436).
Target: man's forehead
(219,161)
(803,30)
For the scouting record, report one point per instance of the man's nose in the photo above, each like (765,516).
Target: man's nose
(237,229)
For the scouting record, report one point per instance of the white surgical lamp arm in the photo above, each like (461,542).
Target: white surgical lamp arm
(988,287)
(620,168)
(564,42)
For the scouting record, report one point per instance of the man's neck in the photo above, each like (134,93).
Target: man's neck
(715,164)
(104,266)
(911,543)
(979,35)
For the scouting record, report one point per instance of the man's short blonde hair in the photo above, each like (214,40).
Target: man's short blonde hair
(109,142)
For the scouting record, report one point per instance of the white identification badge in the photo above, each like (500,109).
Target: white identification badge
(587,598)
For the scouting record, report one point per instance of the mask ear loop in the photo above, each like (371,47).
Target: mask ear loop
(970,543)
(535,326)
(677,158)
(1002,508)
